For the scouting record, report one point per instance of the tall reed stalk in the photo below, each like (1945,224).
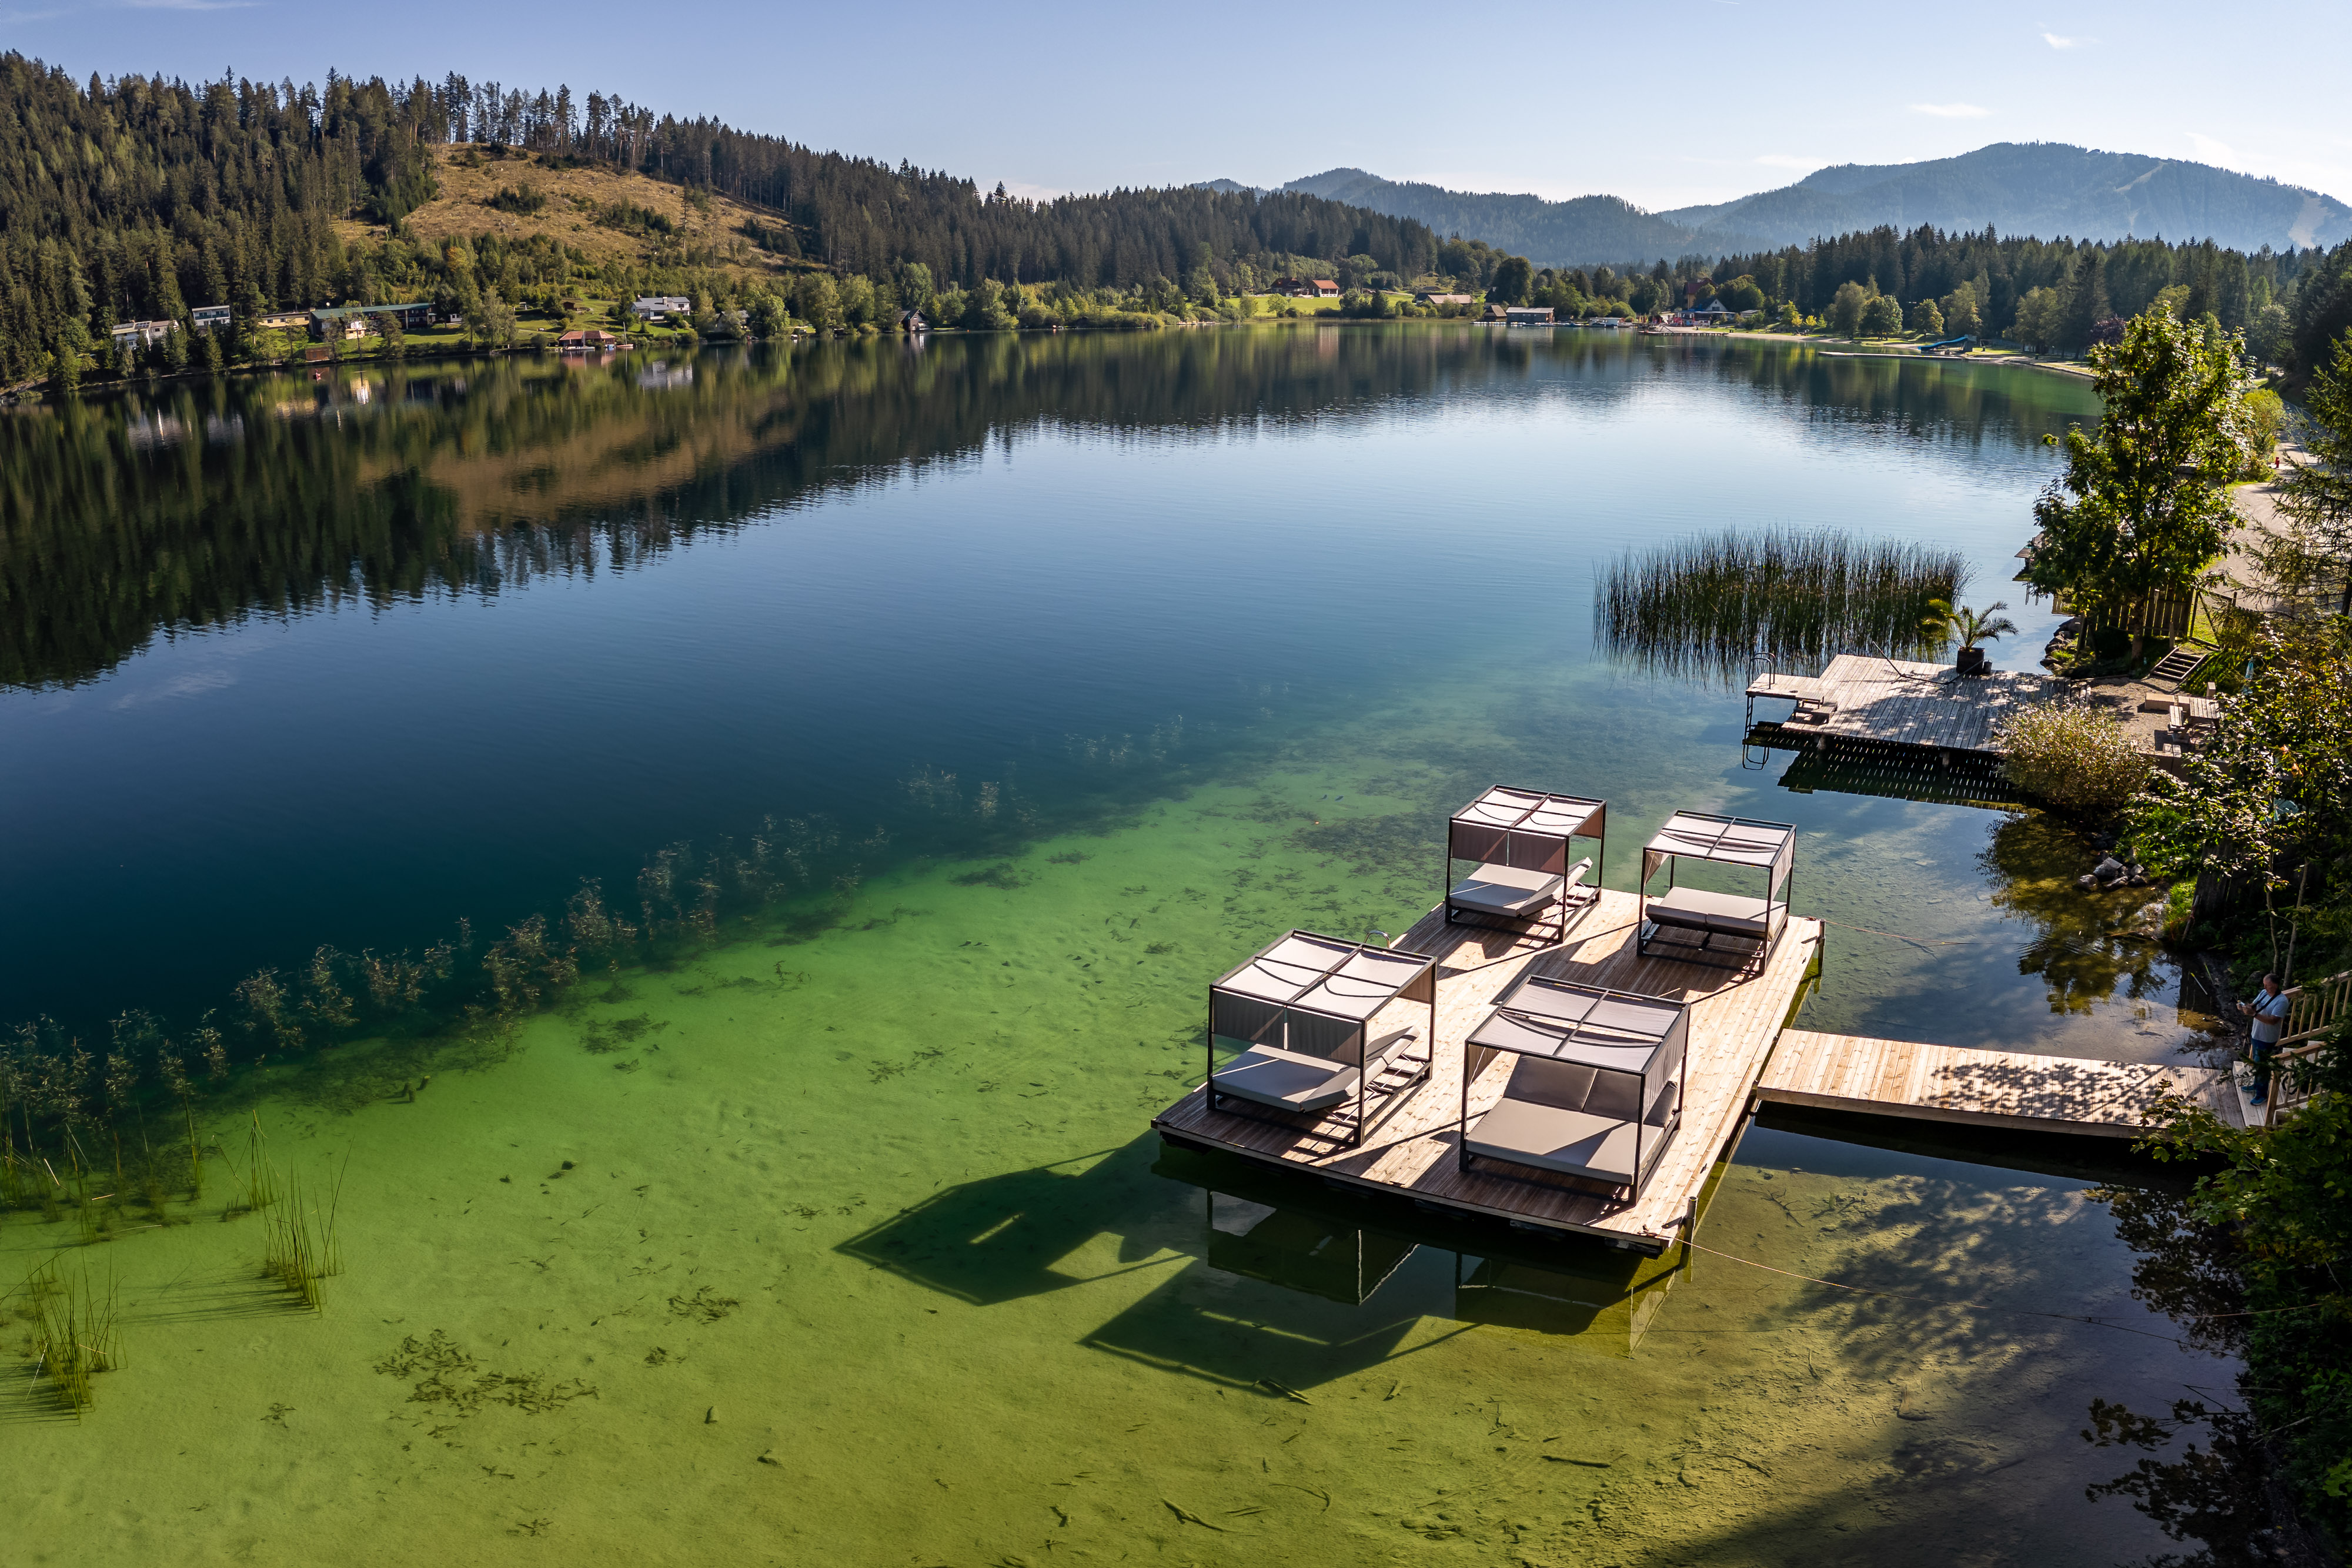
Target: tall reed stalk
(1701,607)
(74,1334)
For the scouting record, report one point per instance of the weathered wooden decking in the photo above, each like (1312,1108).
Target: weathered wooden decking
(1990,1088)
(1410,1149)
(1897,701)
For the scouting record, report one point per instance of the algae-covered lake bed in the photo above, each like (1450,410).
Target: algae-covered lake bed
(1031,683)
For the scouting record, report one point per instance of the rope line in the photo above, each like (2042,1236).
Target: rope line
(1899,936)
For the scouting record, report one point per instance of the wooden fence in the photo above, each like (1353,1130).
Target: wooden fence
(2313,1011)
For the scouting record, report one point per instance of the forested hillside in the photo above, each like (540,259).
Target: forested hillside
(1575,233)
(137,198)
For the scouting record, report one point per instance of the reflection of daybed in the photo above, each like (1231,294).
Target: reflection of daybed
(1697,923)
(1520,842)
(1314,1022)
(1595,1091)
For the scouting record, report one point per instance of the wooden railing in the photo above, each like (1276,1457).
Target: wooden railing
(2313,1012)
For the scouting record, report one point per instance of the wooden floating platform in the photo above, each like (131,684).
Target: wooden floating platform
(1899,702)
(1984,1088)
(1409,1150)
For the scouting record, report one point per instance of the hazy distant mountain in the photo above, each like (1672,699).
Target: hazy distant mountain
(2044,189)
(1576,233)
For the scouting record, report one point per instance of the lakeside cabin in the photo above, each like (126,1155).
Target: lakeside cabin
(1527,316)
(659,306)
(209,317)
(361,320)
(142,334)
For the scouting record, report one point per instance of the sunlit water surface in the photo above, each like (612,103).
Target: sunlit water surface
(1068,670)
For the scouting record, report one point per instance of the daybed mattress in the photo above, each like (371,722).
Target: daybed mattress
(1506,890)
(1286,1080)
(1573,1143)
(1721,914)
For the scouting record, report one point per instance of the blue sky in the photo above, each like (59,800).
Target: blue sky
(1717,99)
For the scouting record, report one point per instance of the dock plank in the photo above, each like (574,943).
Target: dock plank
(2014,1089)
(1902,702)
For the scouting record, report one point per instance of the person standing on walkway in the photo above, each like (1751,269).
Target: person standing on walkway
(2268,1015)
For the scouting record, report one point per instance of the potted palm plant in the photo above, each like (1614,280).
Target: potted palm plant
(1972,629)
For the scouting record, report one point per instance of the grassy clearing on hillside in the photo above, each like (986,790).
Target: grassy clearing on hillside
(463,209)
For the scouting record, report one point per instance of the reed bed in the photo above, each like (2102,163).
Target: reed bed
(74,1335)
(1702,607)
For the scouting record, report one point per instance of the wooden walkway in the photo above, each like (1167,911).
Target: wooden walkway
(1897,701)
(1983,1088)
(1410,1148)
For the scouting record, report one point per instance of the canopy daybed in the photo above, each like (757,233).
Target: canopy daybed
(1520,839)
(1318,1022)
(1596,1084)
(1745,926)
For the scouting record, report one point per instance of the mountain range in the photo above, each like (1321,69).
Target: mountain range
(2046,189)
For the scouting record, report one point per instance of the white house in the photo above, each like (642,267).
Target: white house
(145,334)
(208,318)
(653,307)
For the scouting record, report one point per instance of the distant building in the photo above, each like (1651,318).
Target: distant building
(1527,315)
(1323,288)
(284,322)
(912,322)
(359,320)
(1426,296)
(1494,316)
(1710,314)
(655,307)
(208,318)
(144,334)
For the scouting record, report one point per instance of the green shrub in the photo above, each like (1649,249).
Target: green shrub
(2071,754)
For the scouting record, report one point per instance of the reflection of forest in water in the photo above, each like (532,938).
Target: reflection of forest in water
(2079,950)
(197,504)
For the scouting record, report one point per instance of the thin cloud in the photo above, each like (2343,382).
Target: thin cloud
(2210,149)
(1951,111)
(2058,41)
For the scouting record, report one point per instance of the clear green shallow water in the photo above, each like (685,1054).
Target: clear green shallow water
(862,1253)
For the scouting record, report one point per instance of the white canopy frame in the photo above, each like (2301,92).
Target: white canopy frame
(1520,841)
(1749,926)
(1301,1012)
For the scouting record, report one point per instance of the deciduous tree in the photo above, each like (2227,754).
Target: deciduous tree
(2141,508)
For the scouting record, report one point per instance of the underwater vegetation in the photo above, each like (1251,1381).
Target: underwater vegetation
(91,1130)
(1700,606)
(73,1334)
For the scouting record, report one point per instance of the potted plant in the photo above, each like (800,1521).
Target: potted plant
(1971,628)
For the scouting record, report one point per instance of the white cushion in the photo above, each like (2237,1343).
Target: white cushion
(1549,1138)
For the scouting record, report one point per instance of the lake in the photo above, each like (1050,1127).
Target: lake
(944,716)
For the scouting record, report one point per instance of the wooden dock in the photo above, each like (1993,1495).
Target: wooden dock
(1410,1151)
(1984,1088)
(1897,701)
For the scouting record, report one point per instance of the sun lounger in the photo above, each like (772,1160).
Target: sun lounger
(1293,1080)
(1594,1091)
(1313,1023)
(1510,892)
(1520,842)
(1719,913)
(1747,925)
